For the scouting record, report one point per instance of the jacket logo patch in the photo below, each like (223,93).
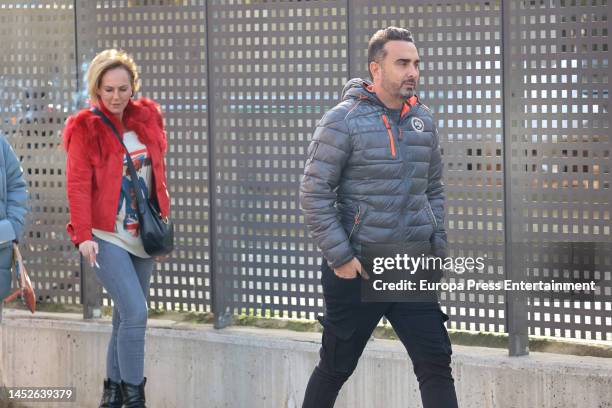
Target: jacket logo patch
(417,124)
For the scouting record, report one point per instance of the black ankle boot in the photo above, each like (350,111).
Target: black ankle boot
(133,395)
(111,397)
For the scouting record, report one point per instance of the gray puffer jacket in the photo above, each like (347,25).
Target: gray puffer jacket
(368,180)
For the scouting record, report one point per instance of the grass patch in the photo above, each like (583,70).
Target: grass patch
(458,337)
(464,338)
(47,307)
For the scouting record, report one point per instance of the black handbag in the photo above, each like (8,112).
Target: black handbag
(157,233)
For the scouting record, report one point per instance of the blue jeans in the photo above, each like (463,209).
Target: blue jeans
(126,278)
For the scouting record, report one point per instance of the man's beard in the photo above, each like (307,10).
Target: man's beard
(407,93)
(398,91)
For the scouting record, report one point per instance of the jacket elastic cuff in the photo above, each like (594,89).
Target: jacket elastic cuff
(79,236)
(7,231)
(341,261)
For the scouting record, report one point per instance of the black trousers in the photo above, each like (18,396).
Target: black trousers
(347,326)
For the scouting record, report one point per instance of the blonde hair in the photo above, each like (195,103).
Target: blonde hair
(104,62)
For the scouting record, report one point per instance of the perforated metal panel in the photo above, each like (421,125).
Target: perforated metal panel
(559,126)
(264,72)
(276,68)
(37,80)
(461,82)
(168,41)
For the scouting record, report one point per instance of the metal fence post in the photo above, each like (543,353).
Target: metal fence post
(222,313)
(516,303)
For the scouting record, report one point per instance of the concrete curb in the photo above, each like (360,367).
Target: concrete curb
(197,366)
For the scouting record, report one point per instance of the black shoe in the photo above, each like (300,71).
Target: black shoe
(111,397)
(133,395)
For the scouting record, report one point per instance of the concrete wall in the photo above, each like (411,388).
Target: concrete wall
(189,366)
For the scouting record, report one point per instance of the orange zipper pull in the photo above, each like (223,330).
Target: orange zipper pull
(390,133)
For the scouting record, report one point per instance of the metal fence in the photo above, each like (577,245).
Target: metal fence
(520,94)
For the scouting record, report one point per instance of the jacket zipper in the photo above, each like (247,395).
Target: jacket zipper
(390,133)
(356,222)
(433,217)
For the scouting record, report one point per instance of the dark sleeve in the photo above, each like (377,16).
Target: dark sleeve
(435,195)
(327,155)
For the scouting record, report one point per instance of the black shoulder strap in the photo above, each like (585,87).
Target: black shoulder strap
(110,124)
(133,175)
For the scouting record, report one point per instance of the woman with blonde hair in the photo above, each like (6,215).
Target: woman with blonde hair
(103,219)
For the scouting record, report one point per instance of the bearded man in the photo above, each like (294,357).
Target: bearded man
(373,177)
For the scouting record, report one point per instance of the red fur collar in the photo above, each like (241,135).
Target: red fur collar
(142,116)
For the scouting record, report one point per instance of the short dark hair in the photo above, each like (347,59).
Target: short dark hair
(376,45)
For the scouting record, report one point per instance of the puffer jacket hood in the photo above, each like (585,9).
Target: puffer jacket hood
(356,88)
(360,89)
(368,179)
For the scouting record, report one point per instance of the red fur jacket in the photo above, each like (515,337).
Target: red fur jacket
(94,165)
